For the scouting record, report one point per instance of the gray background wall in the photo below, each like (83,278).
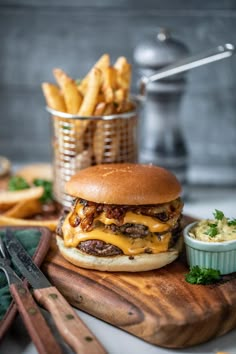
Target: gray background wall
(39,35)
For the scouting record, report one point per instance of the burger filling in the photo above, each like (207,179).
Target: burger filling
(109,230)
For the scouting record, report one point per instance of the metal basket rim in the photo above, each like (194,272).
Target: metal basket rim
(58,114)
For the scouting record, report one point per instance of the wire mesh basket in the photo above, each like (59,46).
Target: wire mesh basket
(79,142)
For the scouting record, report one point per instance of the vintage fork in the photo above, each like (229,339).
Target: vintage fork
(33,319)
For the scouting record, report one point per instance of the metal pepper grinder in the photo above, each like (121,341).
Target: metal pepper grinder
(162,141)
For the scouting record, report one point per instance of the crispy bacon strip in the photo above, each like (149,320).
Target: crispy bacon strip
(163,212)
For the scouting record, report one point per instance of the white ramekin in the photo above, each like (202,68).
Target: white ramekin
(216,255)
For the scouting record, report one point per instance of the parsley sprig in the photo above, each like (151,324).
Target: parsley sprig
(47,186)
(218,214)
(202,276)
(17,183)
(232,222)
(212,230)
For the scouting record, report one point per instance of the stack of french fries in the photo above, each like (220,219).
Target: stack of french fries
(103,91)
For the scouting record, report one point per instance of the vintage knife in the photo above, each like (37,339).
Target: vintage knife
(70,326)
(31,315)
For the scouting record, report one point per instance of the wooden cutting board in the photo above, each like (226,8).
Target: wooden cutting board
(158,306)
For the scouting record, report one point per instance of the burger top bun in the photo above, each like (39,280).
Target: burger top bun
(33,171)
(130,184)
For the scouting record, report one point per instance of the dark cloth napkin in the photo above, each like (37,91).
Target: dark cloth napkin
(30,239)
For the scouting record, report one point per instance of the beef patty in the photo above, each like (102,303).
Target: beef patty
(103,249)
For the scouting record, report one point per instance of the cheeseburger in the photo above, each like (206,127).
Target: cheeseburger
(125,217)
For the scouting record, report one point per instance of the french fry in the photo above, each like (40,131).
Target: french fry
(6,220)
(73,101)
(123,73)
(100,97)
(24,209)
(102,63)
(73,98)
(124,107)
(99,109)
(10,198)
(98,142)
(61,77)
(109,83)
(88,104)
(113,136)
(105,134)
(119,95)
(90,98)
(109,109)
(53,97)
(100,133)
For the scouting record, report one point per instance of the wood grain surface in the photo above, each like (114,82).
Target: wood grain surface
(158,306)
(34,321)
(75,333)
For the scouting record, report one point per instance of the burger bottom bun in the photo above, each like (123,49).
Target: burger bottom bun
(139,263)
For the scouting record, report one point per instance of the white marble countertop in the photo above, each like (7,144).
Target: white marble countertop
(200,202)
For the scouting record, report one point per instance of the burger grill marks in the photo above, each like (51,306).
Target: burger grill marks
(90,211)
(99,248)
(132,230)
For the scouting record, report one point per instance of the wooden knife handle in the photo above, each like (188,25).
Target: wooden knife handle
(34,321)
(70,326)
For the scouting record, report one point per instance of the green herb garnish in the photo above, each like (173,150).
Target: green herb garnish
(232,222)
(218,215)
(47,186)
(203,276)
(17,183)
(212,231)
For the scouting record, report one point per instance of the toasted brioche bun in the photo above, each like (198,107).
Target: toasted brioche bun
(128,184)
(120,263)
(39,170)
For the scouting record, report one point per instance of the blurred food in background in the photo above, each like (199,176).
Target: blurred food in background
(28,195)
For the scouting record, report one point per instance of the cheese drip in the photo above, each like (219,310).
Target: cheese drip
(130,246)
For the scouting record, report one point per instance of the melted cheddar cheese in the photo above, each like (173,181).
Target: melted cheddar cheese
(130,246)
(153,224)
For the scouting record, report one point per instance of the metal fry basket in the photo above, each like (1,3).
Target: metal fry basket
(79,142)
